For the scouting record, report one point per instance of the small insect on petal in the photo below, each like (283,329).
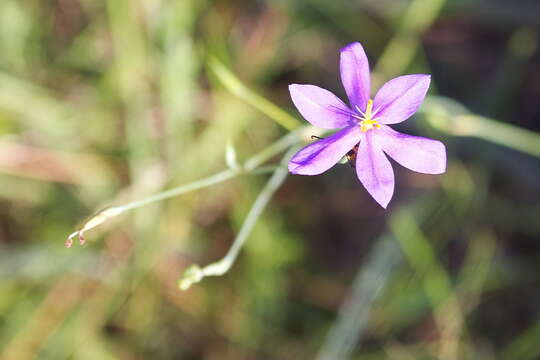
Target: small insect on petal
(351,156)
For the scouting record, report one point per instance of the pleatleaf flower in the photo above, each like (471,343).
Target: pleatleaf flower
(365,124)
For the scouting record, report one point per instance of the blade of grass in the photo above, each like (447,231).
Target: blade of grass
(235,86)
(400,51)
(441,114)
(368,284)
(435,279)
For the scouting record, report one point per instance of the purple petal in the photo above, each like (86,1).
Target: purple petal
(323,154)
(416,153)
(355,75)
(320,107)
(374,170)
(399,98)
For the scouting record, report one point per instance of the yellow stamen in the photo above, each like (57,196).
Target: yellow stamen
(369,108)
(366,125)
(366,122)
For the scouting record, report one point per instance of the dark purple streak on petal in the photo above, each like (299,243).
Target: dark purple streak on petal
(399,98)
(323,154)
(354,68)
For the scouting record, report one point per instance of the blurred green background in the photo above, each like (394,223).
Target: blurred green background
(106,102)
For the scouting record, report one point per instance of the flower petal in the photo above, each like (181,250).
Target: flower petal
(320,107)
(399,98)
(417,153)
(374,170)
(323,154)
(355,75)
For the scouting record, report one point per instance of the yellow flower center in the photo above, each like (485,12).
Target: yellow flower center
(369,124)
(366,122)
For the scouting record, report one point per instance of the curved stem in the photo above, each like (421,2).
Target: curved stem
(195,274)
(251,166)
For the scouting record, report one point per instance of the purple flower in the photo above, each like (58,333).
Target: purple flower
(365,123)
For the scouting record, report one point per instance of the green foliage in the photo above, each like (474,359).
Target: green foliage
(109,111)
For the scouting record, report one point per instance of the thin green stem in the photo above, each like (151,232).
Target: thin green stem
(195,274)
(235,86)
(251,166)
(264,170)
(450,117)
(182,189)
(274,149)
